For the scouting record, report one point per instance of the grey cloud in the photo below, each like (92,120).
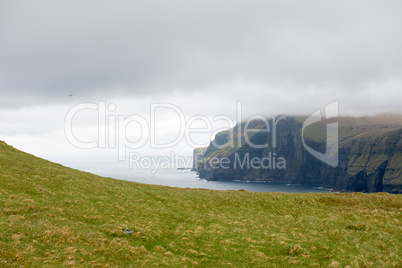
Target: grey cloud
(50,49)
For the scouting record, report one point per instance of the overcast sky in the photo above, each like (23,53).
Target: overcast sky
(276,57)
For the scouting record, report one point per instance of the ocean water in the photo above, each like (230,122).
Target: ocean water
(186,179)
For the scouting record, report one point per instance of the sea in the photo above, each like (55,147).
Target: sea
(188,179)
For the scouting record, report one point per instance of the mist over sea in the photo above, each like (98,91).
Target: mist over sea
(184,178)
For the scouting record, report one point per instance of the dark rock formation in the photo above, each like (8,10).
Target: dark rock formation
(198,155)
(370,155)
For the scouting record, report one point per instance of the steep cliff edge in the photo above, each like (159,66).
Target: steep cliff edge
(370,154)
(198,154)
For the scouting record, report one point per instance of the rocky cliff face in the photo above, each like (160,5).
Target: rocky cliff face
(370,155)
(198,155)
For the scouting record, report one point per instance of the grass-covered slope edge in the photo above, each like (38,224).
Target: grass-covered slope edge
(51,215)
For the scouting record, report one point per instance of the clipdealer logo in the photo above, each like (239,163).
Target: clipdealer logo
(112,132)
(331,154)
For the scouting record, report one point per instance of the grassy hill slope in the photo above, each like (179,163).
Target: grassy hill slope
(51,215)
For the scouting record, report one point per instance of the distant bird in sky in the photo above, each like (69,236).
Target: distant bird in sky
(70,95)
(127,231)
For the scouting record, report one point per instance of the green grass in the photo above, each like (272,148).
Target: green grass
(352,127)
(51,215)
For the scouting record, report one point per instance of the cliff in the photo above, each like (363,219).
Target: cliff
(369,153)
(198,155)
